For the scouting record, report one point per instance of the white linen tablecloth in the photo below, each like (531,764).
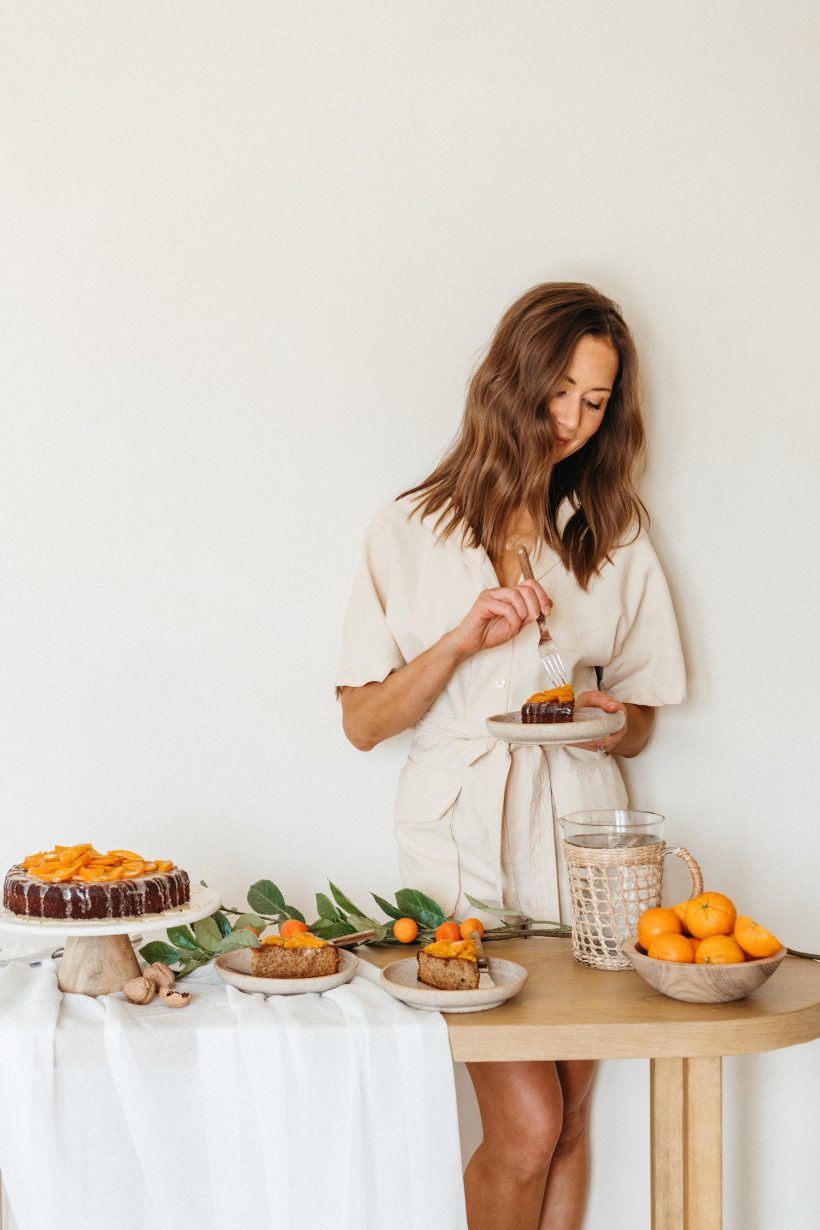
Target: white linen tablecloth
(300,1112)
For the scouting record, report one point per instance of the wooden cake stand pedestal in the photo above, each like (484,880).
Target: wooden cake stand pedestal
(98,957)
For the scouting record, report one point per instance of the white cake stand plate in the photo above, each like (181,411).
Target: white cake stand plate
(98,956)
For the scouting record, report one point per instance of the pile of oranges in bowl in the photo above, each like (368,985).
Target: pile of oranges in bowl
(702,951)
(706,930)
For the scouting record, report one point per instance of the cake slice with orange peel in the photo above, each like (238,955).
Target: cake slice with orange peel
(449,965)
(298,956)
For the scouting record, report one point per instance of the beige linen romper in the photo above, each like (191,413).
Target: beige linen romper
(474,814)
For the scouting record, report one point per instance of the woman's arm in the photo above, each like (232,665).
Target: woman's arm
(377,711)
(633,735)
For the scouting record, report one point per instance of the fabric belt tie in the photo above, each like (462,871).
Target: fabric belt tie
(516,812)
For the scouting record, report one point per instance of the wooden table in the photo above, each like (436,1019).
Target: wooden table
(567,1011)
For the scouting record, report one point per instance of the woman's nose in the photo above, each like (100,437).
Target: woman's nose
(567,415)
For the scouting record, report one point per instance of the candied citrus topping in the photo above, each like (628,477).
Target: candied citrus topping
(85,864)
(564,695)
(302,939)
(463,949)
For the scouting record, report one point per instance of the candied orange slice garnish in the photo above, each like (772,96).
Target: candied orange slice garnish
(130,871)
(66,873)
(71,854)
(84,862)
(92,875)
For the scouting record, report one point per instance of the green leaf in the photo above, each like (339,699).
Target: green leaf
(266,897)
(328,929)
(189,966)
(344,901)
(326,908)
(361,922)
(249,920)
(208,934)
(157,950)
(424,909)
(222,922)
(292,912)
(390,910)
(183,937)
(238,939)
(491,909)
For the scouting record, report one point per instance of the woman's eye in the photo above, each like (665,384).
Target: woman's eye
(593,405)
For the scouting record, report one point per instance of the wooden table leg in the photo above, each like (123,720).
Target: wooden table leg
(685,1096)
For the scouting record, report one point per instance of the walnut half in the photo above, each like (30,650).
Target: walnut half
(139,990)
(160,975)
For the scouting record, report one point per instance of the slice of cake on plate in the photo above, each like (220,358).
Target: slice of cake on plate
(300,956)
(556,705)
(449,966)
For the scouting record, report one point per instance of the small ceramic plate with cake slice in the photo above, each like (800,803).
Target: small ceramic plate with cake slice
(587,725)
(401,979)
(290,976)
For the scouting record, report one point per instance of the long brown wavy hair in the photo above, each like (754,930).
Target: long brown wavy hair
(502,459)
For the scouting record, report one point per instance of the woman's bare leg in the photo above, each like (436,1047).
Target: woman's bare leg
(568,1179)
(521,1108)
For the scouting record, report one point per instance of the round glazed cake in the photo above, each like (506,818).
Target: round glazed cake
(93,886)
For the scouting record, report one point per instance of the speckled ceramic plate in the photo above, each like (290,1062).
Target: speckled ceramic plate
(234,968)
(401,980)
(587,725)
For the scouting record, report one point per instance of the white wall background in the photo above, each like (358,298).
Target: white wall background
(250,252)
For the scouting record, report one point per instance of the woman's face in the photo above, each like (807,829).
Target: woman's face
(577,408)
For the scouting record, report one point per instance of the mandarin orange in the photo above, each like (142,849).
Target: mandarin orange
(719,950)
(472,924)
(754,939)
(671,946)
(405,930)
(710,914)
(657,921)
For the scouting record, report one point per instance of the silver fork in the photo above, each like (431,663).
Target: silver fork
(547,651)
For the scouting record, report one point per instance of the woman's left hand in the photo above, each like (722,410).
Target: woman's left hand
(633,735)
(607,702)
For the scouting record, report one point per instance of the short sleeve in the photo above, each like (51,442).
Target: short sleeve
(369,650)
(647,665)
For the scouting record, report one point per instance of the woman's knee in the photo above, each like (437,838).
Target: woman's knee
(522,1117)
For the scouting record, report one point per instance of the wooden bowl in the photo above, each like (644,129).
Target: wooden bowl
(702,984)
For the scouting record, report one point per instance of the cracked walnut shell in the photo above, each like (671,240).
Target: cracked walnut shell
(173,998)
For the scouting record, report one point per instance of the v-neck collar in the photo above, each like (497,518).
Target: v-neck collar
(478,561)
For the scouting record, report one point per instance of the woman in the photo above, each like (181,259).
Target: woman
(440,634)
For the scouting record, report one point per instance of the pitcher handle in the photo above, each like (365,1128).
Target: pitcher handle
(692,864)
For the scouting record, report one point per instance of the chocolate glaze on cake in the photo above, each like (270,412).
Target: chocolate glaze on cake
(152,894)
(548,711)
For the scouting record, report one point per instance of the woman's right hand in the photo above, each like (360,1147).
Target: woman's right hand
(497,615)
